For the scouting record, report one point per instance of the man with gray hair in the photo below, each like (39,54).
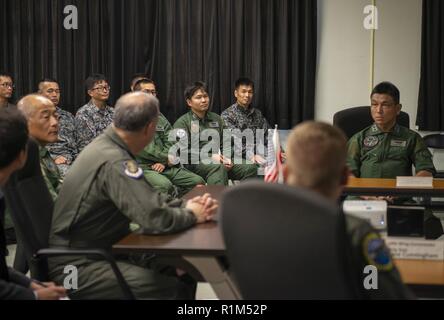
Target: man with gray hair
(104,192)
(316,160)
(43,125)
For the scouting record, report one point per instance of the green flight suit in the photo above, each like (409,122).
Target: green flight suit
(173,177)
(375,154)
(367,248)
(104,191)
(190,128)
(50,172)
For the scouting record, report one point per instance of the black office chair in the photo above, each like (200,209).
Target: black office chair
(285,243)
(353,120)
(31,208)
(435,141)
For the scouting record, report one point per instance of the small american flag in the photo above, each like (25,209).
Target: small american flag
(273,169)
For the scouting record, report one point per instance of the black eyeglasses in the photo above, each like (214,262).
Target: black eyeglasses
(7,84)
(102,88)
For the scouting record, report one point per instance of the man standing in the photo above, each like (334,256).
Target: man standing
(316,160)
(199,123)
(386,149)
(43,125)
(13,140)
(6,90)
(64,151)
(242,116)
(104,192)
(94,117)
(157,166)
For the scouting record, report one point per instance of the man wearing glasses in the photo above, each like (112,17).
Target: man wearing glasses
(157,165)
(386,149)
(64,151)
(94,117)
(6,90)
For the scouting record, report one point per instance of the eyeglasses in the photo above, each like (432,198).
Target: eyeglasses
(7,84)
(102,88)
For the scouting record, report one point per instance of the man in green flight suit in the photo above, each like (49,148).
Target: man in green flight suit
(386,149)
(316,160)
(209,141)
(106,190)
(43,124)
(157,166)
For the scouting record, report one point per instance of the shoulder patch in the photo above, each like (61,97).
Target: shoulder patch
(370,141)
(376,252)
(132,170)
(181,133)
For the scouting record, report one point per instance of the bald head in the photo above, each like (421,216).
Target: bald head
(316,158)
(31,103)
(134,111)
(42,118)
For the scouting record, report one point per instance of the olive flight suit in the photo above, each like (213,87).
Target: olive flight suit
(104,191)
(173,177)
(205,137)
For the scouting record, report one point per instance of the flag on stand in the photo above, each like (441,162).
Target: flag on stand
(273,169)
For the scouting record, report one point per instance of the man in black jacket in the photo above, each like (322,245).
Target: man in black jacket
(13,139)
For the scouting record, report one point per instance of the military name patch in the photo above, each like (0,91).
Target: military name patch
(398,143)
(214,124)
(160,128)
(132,170)
(376,252)
(181,133)
(371,141)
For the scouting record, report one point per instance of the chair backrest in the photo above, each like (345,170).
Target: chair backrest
(435,140)
(30,203)
(285,243)
(353,120)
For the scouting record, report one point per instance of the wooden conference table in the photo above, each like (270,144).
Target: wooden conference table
(202,246)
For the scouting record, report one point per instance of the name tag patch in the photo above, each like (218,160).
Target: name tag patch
(160,128)
(398,143)
(214,124)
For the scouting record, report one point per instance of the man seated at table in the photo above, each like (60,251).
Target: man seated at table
(316,160)
(209,150)
(386,149)
(104,192)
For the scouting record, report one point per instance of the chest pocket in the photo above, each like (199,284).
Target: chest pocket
(398,150)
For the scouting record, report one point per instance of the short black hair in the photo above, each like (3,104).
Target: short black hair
(386,88)
(192,88)
(43,80)
(93,79)
(141,81)
(6,74)
(244,82)
(47,80)
(136,78)
(13,135)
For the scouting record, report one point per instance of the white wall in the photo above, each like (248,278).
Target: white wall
(343,68)
(343,75)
